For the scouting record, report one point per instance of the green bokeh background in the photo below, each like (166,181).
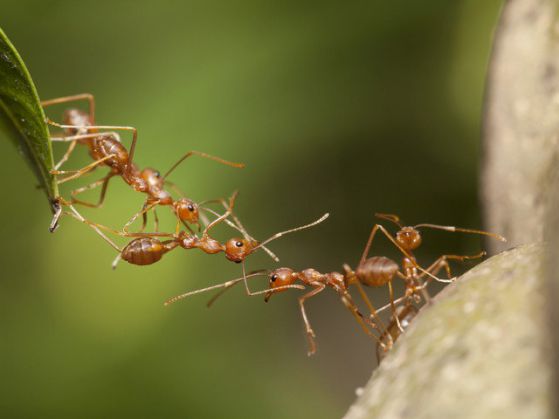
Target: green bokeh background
(352,108)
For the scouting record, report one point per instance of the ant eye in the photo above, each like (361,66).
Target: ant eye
(274,277)
(190,207)
(239,244)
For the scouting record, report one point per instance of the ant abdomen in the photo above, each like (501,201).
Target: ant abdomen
(146,250)
(376,271)
(107,145)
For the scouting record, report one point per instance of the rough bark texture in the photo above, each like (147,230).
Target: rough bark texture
(478,352)
(521,123)
(552,286)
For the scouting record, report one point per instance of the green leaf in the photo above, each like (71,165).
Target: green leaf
(22,119)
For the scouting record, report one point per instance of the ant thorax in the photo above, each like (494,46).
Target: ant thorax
(310,275)
(336,280)
(206,243)
(132,177)
(409,266)
(155,186)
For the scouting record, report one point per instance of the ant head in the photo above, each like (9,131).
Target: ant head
(186,210)
(279,278)
(155,186)
(236,250)
(409,238)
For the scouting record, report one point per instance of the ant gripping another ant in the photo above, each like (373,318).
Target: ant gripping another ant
(147,248)
(374,271)
(106,149)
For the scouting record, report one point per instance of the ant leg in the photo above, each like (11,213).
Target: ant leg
(205,220)
(145,208)
(78,173)
(310,333)
(389,217)
(389,305)
(442,261)
(175,188)
(91,136)
(361,319)
(144,218)
(222,217)
(372,310)
(110,127)
(434,268)
(66,155)
(117,259)
(438,264)
(225,286)
(239,227)
(72,140)
(94,226)
(393,306)
(97,226)
(155,221)
(205,155)
(83,96)
(104,182)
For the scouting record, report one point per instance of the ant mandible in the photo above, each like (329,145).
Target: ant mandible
(106,149)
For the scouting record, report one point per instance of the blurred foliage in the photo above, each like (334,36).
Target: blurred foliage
(350,108)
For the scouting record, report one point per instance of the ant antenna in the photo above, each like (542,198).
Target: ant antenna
(233,282)
(237,225)
(389,217)
(462,230)
(224,215)
(207,156)
(226,285)
(280,234)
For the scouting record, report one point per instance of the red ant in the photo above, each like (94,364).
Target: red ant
(408,239)
(282,279)
(375,271)
(106,149)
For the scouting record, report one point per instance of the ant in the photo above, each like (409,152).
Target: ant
(282,279)
(106,149)
(375,271)
(147,248)
(407,239)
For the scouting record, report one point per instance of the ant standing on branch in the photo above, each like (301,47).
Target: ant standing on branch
(374,271)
